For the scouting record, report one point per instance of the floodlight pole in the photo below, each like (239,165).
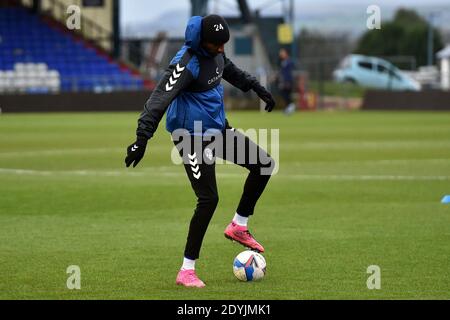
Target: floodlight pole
(430,40)
(292,22)
(199,7)
(116,44)
(36,6)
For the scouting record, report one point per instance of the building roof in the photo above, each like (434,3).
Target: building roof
(268,28)
(444,53)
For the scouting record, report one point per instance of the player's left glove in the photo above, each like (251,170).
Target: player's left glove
(227,124)
(136,151)
(265,96)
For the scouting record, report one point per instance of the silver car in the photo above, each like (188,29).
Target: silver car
(373,72)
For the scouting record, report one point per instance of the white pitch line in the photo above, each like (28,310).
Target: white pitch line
(157,172)
(366,145)
(84,173)
(287,145)
(55,152)
(368,177)
(377,162)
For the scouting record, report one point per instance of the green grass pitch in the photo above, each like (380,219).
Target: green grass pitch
(354,189)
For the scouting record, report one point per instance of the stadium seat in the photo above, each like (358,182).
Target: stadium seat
(36,58)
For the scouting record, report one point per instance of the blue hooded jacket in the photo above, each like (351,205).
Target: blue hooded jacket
(189,106)
(191,89)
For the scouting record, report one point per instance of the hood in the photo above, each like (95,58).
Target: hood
(193,33)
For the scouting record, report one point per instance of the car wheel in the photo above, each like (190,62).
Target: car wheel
(350,81)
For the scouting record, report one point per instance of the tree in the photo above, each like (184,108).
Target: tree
(320,52)
(405,35)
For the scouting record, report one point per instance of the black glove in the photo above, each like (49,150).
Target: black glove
(136,151)
(265,96)
(227,125)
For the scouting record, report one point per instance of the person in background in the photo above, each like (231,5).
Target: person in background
(285,80)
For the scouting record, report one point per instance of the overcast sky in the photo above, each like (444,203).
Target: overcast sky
(133,11)
(146,18)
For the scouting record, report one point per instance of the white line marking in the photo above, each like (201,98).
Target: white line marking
(158,171)
(367,177)
(367,144)
(59,152)
(368,162)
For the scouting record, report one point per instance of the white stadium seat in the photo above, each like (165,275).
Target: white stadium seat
(19,67)
(41,67)
(30,77)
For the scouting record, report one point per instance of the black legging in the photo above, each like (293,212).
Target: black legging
(231,146)
(286,94)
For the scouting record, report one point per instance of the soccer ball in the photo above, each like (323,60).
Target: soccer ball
(249,266)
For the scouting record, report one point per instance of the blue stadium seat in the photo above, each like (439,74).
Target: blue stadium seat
(26,38)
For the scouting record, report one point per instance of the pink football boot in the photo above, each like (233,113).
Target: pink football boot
(188,278)
(242,235)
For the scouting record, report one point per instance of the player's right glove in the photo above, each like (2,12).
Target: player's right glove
(136,151)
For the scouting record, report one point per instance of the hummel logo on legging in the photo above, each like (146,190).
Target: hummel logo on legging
(194,166)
